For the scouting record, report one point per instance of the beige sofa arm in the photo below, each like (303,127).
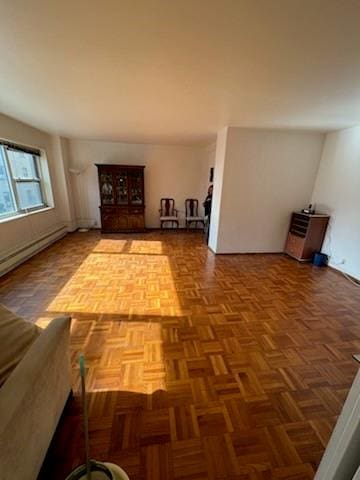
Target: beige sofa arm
(32,400)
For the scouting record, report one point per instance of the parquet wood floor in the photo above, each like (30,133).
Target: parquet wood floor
(199,367)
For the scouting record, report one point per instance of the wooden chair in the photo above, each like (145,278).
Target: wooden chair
(192,212)
(168,212)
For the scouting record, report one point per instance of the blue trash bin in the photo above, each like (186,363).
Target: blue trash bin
(320,259)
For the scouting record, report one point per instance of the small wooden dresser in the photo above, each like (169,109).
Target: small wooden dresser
(122,198)
(306,235)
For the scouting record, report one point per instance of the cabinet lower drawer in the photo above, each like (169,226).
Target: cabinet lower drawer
(136,211)
(121,220)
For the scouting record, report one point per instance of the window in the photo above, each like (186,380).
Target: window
(22,187)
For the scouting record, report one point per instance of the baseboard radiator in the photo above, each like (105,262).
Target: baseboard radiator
(15,258)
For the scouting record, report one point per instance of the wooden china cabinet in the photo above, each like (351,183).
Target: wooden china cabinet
(122,198)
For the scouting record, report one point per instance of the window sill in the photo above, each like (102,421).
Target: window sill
(22,215)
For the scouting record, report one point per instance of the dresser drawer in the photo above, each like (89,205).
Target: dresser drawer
(295,246)
(136,210)
(107,210)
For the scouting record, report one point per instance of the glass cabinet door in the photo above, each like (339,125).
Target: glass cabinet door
(136,188)
(107,189)
(121,182)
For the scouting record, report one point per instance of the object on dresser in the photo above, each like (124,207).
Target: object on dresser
(310,210)
(122,198)
(306,235)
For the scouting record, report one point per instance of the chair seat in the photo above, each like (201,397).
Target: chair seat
(195,219)
(169,219)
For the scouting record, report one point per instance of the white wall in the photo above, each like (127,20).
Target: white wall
(219,165)
(267,174)
(171,171)
(22,236)
(337,192)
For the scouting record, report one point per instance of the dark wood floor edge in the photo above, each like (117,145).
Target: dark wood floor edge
(170,229)
(246,253)
(153,229)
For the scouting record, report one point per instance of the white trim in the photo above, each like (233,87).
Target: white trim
(17,216)
(342,268)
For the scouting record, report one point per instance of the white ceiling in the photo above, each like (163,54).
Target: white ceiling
(176,71)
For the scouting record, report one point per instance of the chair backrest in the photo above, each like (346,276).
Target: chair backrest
(192,207)
(167,207)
